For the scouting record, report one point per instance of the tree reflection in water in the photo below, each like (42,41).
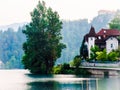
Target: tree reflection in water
(53,85)
(23,80)
(72,82)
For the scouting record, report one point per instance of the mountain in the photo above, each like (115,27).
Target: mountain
(102,20)
(14,26)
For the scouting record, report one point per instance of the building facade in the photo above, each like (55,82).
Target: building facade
(104,39)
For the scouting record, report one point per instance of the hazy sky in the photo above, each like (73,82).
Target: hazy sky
(13,11)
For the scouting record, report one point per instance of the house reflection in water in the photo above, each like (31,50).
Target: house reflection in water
(89,85)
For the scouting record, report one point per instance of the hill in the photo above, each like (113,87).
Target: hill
(14,26)
(12,38)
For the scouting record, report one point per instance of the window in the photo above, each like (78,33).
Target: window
(111,38)
(99,37)
(111,45)
(91,38)
(104,31)
(91,46)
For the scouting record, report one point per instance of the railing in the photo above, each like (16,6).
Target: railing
(102,71)
(100,64)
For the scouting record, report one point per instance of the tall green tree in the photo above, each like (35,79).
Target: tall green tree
(43,45)
(83,50)
(115,22)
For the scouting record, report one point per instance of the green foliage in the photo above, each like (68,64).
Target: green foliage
(43,46)
(115,22)
(83,50)
(66,69)
(57,70)
(93,54)
(63,69)
(99,55)
(118,52)
(112,56)
(11,47)
(77,61)
(102,55)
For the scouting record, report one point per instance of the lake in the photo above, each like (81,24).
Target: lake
(23,80)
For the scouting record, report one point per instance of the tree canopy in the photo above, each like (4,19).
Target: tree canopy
(115,22)
(43,45)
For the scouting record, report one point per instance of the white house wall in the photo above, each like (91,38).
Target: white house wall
(91,43)
(111,44)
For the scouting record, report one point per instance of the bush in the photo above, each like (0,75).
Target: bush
(112,56)
(65,69)
(62,69)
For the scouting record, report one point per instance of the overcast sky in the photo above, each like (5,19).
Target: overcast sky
(15,11)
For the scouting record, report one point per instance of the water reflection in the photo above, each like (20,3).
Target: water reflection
(71,82)
(59,86)
(23,80)
(63,82)
(41,86)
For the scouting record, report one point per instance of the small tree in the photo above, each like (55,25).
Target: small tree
(77,61)
(102,55)
(112,56)
(93,54)
(118,52)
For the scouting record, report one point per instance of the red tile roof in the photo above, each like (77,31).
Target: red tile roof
(109,32)
(103,33)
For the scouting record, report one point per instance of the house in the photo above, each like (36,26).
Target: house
(104,39)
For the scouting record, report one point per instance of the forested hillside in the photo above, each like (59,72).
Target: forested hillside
(73,31)
(11,47)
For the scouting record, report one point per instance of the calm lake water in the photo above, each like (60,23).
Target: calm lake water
(23,80)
